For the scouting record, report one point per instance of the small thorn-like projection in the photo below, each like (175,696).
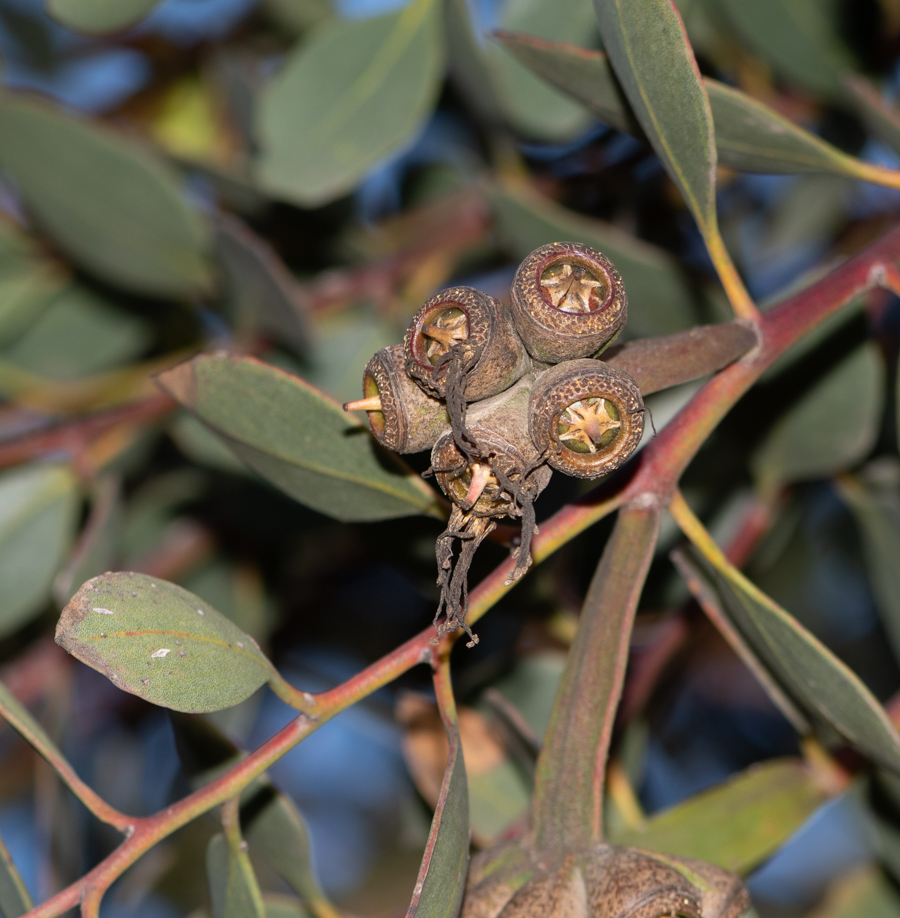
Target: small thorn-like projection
(364,404)
(449,328)
(481,478)
(589,424)
(571,288)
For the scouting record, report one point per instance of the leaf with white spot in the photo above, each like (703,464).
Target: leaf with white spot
(156,640)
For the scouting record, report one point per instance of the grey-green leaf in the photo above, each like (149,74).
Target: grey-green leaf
(442,876)
(736,824)
(233,890)
(110,205)
(99,16)
(832,427)
(799,38)
(38,508)
(297,438)
(807,670)
(278,834)
(651,56)
(876,506)
(749,135)
(158,641)
(262,294)
(14,897)
(881,118)
(351,95)
(532,107)
(660,297)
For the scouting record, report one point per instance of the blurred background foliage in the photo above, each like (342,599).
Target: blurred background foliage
(291,179)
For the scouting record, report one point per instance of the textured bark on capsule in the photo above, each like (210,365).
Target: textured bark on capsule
(587,416)
(568,300)
(402,417)
(463,324)
(604,882)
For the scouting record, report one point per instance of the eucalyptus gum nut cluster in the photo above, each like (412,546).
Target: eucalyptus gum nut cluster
(568,301)
(587,416)
(469,316)
(407,420)
(604,882)
(499,427)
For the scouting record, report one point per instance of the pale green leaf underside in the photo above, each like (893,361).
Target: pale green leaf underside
(99,16)
(158,641)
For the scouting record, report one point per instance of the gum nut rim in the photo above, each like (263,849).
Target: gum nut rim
(468,481)
(436,328)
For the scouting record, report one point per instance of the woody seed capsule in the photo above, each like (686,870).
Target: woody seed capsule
(476,326)
(568,301)
(402,417)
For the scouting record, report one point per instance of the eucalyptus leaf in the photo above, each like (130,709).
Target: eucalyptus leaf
(736,824)
(262,294)
(809,673)
(346,98)
(442,876)
(568,805)
(14,897)
(532,107)
(799,38)
(298,439)
(233,889)
(880,117)
(78,334)
(277,833)
(276,905)
(652,58)
(99,16)
(661,299)
(156,640)
(38,508)
(876,506)
(749,135)
(26,286)
(110,205)
(833,426)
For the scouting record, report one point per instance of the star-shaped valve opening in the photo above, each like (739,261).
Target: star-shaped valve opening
(572,287)
(442,330)
(588,425)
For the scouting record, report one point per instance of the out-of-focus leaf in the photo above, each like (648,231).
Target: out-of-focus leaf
(233,890)
(530,105)
(158,641)
(531,687)
(97,546)
(38,507)
(109,204)
(799,38)
(810,674)
(99,16)
(498,793)
(832,427)
(277,833)
(568,801)
(469,63)
(352,94)
(261,291)
(650,54)
(296,16)
(78,334)
(199,443)
(864,893)
(277,906)
(876,506)
(442,877)
(880,117)
(738,823)
(660,298)
(14,898)
(296,438)
(749,135)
